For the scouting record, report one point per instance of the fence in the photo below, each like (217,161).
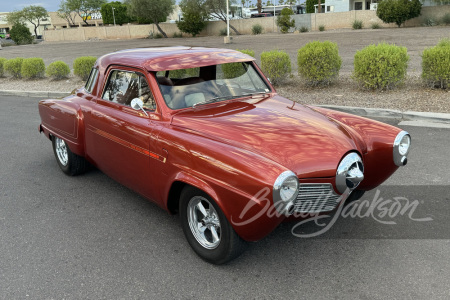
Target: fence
(244,26)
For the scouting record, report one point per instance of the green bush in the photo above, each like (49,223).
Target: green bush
(303,29)
(13,67)
(446,19)
(2,62)
(398,11)
(223,32)
(177,35)
(233,70)
(82,66)
(430,22)
(20,34)
(58,70)
(375,26)
(319,62)
(284,20)
(444,42)
(436,65)
(357,24)
(381,66)
(276,65)
(158,36)
(321,27)
(257,29)
(310,8)
(33,68)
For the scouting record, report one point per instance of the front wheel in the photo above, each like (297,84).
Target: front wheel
(69,162)
(206,228)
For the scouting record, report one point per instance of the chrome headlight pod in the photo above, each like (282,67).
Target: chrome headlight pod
(402,144)
(350,172)
(285,191)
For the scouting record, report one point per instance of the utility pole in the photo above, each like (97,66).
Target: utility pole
(114,17)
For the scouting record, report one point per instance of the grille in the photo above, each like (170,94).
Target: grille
(316,197)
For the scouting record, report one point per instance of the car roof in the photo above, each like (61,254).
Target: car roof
(172,58)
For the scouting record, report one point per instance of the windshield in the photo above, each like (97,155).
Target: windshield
(192,87)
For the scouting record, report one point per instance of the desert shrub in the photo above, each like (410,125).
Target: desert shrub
(2,62)
(20,34)
(321,27)
(13,67)
(158,36)
(82,66)
(257,29)
(284,20)
(357,24)
(319,62)
(446,19)
(33,68)
(58,70)
(223,32)
(303,29)
(398,11)
(430,22)
(177,35)
(375,26)
(381,66)
(276,65)
(233,70)
(436,65)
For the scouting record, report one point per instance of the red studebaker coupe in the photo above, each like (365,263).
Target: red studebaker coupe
(203,133)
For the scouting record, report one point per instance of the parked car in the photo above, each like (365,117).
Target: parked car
(261,15)
(203,133)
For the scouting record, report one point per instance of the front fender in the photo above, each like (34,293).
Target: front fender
(378,138)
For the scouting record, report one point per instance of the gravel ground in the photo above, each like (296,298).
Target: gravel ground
(412,96)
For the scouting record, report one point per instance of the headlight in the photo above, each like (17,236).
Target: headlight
(285,191)
(402,145)
(350,172)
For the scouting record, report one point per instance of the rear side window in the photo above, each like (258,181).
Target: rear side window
(91,80)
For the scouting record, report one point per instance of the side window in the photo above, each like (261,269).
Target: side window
(90,83)
(124,86)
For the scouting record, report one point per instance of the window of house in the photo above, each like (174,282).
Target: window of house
(358,5)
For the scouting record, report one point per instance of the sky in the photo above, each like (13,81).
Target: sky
(11,5)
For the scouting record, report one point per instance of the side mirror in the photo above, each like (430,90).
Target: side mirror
(137,104)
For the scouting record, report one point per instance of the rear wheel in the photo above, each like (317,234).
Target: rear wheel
(206,228)
(69,162)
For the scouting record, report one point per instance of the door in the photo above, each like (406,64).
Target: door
(119,138)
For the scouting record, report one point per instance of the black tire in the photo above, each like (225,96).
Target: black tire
(354,196)
(69,162)
(230,244)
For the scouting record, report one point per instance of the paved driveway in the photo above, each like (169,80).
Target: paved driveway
(88,237)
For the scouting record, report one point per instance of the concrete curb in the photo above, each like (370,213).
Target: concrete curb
(360,111)
(40,94)
(391,113)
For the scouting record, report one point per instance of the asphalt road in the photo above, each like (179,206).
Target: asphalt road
(88,237)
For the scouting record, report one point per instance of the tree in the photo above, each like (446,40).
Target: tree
(64,12)
(33,14)
(284,20)
(310,9)
(194,16)
(218,9)
(120,13)
(85,8)
(20,34)
(154,10)
(259,6)
(398,11)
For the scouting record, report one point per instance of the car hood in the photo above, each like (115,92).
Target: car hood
(293,135)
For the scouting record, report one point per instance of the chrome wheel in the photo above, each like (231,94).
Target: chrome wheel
(204,222)
(61,151)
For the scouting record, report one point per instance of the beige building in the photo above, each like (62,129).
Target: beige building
(5,27)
